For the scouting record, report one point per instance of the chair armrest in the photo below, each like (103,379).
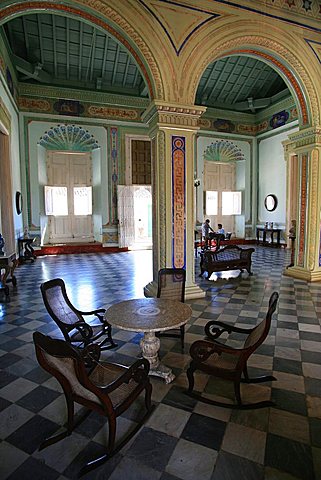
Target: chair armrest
(134,372)
(90,355)
(84,329)
(93,312)
(201,350)
(98,313)
(213,331)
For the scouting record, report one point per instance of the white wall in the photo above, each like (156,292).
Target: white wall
(272,177)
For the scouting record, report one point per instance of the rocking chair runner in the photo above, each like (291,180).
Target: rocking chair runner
(71,321)
(107,388)
(221,360)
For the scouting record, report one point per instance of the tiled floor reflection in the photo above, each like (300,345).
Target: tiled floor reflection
(183,439)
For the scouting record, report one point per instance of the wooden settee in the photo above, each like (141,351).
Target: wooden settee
(230,257)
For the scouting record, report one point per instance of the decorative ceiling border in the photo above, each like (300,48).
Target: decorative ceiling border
(178,50)
(20,8)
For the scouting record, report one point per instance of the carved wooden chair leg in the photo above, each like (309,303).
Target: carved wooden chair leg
(182,329)
(237,392)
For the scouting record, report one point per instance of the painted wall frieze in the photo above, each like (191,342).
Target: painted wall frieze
(34,104)
(107,112)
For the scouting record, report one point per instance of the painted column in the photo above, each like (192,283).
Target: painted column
(172,129)
(304,147)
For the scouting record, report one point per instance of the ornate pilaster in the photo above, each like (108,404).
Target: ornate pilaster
(304,148)
(173,129)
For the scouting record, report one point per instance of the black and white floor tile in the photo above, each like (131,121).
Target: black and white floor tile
(183,439)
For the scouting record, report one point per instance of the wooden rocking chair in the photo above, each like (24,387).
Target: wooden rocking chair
(224,361)
(107,388)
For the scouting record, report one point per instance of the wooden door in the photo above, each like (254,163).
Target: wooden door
(220,177)
(141,162)
(70,170)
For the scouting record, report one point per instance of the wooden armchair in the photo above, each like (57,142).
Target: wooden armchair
(107,388)
(227,362)
(71,321)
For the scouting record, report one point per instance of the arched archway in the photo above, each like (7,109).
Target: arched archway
(295,66)
(109,21)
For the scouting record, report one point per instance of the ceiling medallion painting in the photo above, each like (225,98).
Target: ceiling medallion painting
(223,151)
(68,137)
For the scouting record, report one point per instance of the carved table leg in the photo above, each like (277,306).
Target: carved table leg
(150,346)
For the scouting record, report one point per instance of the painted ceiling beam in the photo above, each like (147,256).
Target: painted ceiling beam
(93,55)
(103,65)
(42,58)
(54,38)
(25,33)
(80,50)
(115,65)
(215,84)
(67,48)
(226,84)
(30,70)
(238,94)
(126,70)
(209,78)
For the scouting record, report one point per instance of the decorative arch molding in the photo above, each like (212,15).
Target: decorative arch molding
(278,57)
(68,137)
(223,151)
(154,82)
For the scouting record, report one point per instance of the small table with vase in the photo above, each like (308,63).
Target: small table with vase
(150,315)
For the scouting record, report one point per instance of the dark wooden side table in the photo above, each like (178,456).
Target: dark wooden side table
(8,263)
(272,232)
(26,252)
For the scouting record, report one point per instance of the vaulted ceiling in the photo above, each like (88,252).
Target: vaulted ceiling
(62,51)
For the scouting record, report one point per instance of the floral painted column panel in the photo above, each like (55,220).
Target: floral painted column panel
(178,202)
(302,211)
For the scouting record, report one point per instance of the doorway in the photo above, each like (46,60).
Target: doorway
(135,216)
(68,197)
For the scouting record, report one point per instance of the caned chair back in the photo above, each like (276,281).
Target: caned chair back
(64,362)
(171,284)
(58,304)
(260,332)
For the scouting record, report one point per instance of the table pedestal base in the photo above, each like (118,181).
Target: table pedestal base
(150,346)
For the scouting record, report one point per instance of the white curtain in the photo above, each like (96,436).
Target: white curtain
(126,233)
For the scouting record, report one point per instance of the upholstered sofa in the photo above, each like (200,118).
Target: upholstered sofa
(230,257)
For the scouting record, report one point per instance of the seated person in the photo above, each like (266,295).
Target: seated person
(220,229)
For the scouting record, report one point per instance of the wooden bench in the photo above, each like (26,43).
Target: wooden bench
(230,257)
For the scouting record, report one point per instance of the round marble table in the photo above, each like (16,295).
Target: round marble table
(150,315)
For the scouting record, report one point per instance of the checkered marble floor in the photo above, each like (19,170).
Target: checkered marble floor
(183,439)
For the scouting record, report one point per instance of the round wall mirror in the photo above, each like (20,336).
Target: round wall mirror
(270,202)
(18,203)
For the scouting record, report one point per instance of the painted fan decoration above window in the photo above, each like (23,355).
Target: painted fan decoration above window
(68,137)
(223,151)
